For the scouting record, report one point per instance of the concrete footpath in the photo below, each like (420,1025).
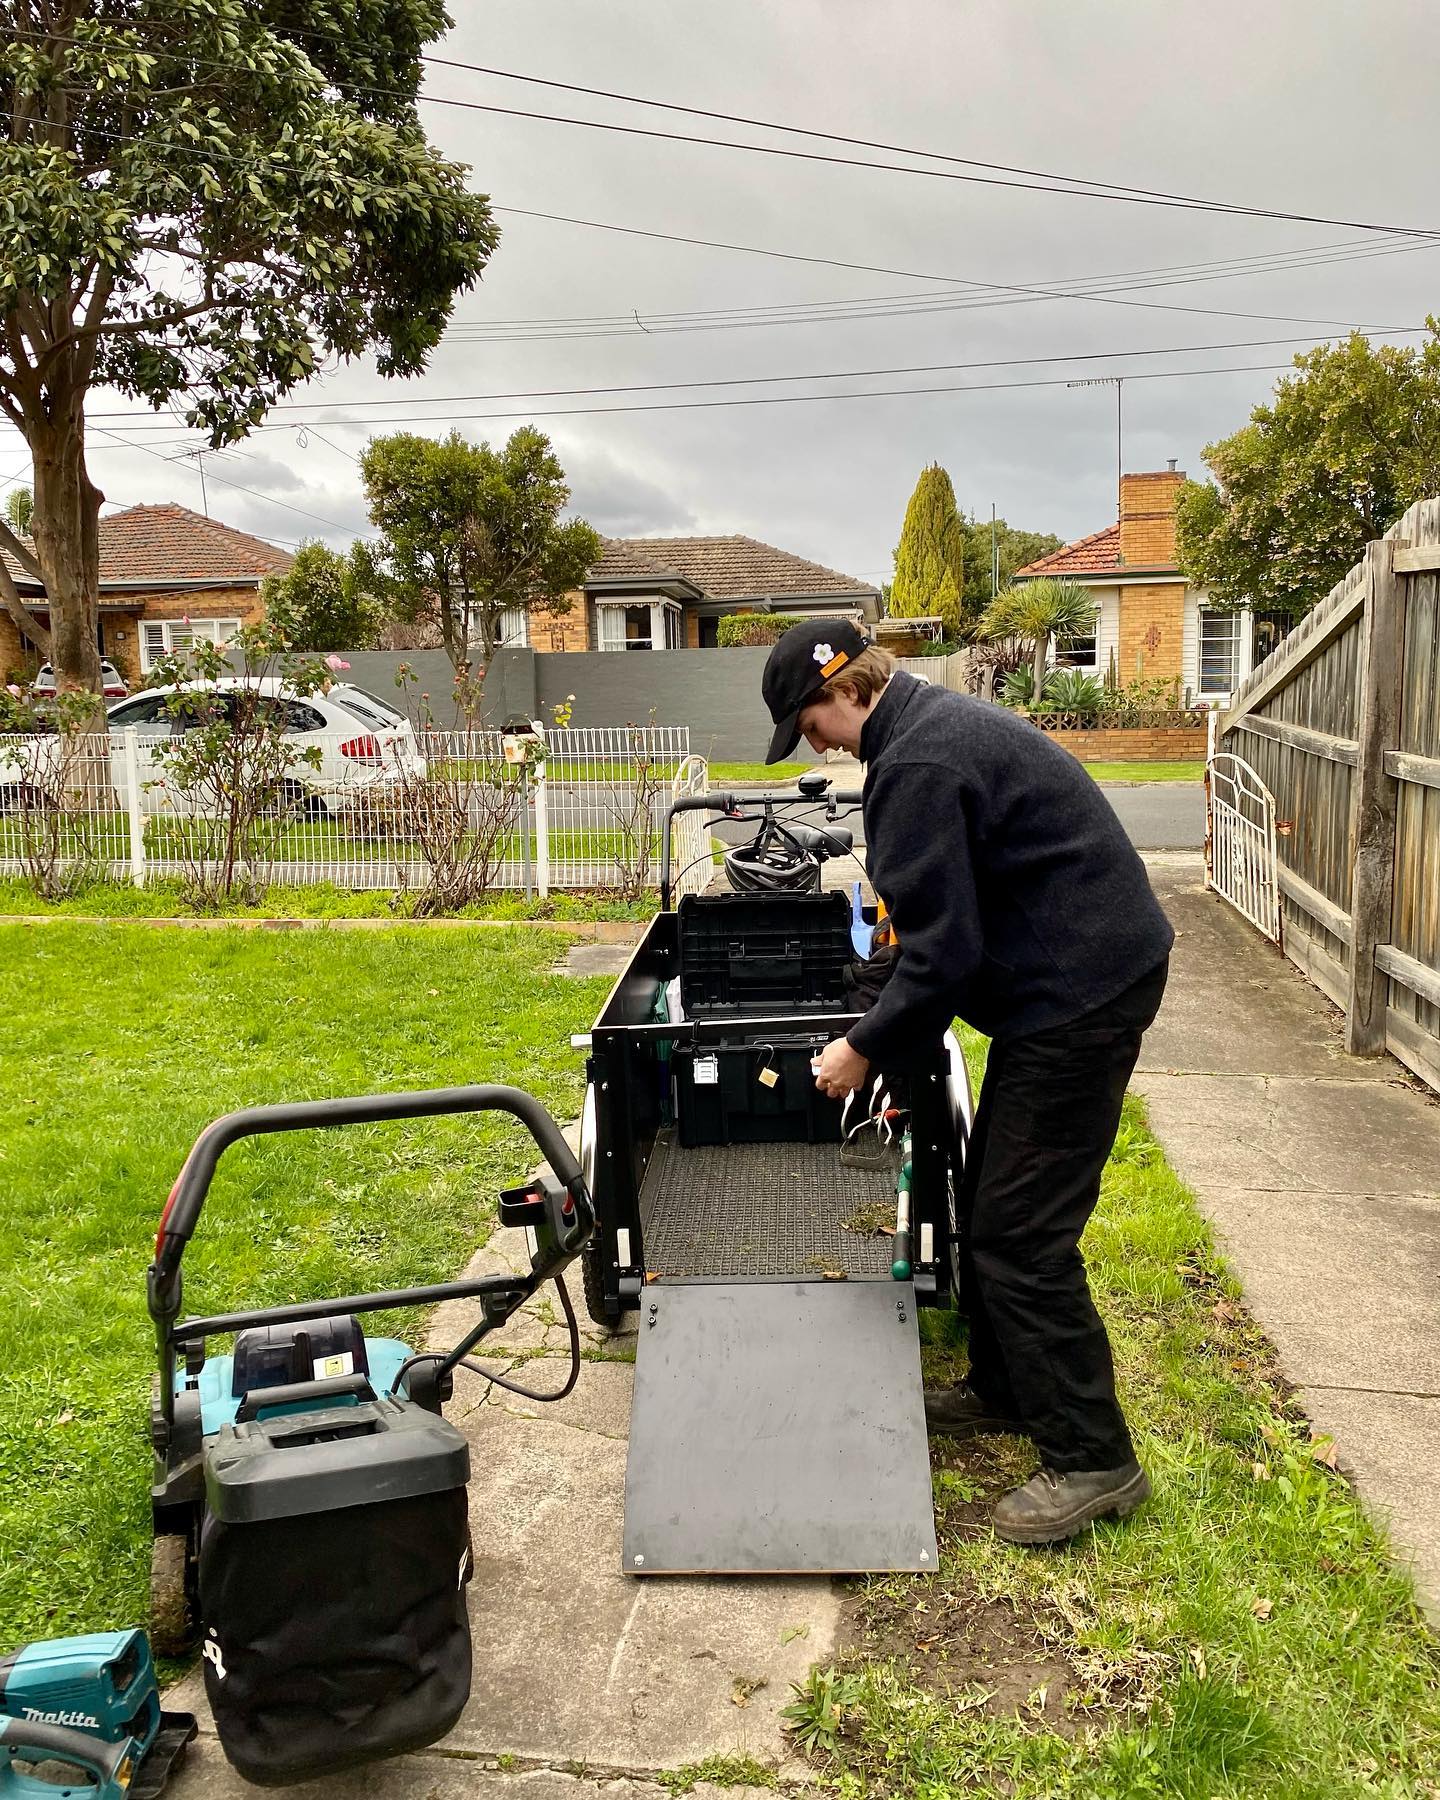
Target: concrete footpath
(1321,1175)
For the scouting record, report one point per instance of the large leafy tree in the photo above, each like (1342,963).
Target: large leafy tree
(1348,442)
(1039,611)
(326,601)
(930,557)
(199,201)
(469,532)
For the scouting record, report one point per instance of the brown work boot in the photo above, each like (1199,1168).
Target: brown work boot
(960,1412)
(1051,1506)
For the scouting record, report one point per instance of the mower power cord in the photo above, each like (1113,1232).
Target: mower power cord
(511,1387)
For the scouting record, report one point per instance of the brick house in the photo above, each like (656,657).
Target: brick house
(168,578)
(671,593)
(1150,620)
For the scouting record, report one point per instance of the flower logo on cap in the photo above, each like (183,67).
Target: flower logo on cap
(822,653)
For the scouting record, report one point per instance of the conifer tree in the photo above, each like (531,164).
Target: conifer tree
(930,557)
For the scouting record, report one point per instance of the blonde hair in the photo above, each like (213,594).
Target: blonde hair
(865,677)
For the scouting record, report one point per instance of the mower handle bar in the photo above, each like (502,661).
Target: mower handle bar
(729,804)
(182,1210)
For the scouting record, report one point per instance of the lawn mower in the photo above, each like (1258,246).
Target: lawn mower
(81,1715)
(309,1499)
(777,1422)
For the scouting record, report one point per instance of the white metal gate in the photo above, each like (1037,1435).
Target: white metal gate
(1240,860)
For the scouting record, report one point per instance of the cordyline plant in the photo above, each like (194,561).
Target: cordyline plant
(57,810)
(231,780)
(200,200)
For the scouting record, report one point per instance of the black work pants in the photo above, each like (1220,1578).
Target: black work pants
(1049,1107)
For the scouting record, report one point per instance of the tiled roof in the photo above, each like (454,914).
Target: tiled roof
(724,568)
(1097,554)
(170,543)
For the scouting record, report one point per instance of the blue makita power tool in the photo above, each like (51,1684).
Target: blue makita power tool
(91,1703)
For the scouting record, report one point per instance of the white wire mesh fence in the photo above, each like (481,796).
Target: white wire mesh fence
(443,816)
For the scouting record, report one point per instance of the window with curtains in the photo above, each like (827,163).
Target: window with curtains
(175,636)
(1219,651)
(639,625)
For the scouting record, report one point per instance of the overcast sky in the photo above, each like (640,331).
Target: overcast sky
(1295,105)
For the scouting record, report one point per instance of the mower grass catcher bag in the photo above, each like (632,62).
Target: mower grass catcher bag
(333,1564)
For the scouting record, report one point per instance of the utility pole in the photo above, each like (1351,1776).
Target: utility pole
(994,555)
(1118,383)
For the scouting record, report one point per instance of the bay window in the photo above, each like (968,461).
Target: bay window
(638,625)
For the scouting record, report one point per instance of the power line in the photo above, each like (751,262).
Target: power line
(1088,186)
(1037,292)
(1002,174)
(270,499)
(1030,290)
(1261,263)
(993,387)
(651,387)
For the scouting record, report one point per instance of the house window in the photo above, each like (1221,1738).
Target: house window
(159,637)
(1080,649)
(1219,651)
(514,632)
(639,625)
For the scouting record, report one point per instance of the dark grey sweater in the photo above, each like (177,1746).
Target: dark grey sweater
(1018,900)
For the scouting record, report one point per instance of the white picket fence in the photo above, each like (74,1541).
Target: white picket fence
(584,811)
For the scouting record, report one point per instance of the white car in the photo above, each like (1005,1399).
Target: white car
(364,745)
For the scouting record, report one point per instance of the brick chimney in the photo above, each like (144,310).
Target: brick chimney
(1147,518)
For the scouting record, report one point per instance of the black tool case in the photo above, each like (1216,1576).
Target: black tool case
(336,1551)
(763,953)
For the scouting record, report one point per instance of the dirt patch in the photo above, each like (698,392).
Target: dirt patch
(947,1638)
(960,1641)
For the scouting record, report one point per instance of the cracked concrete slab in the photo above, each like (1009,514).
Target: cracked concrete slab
(1391,1445)
(1320,1135)
(1321,1175)
(1265,1019)
(437,1775)
(1331,1249)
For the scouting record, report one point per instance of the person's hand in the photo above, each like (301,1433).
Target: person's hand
(842,1068)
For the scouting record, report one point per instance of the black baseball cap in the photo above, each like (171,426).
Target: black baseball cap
(802,662)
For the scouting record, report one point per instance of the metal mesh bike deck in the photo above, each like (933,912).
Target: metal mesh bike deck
(763,1209)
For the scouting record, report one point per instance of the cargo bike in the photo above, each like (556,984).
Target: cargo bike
(777,1420)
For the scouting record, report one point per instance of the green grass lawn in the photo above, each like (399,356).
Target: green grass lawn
(120,1046)
(1147,771)
(1245,1634)
(317,900)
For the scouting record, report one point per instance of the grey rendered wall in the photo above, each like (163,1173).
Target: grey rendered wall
(509,687)
(715,692)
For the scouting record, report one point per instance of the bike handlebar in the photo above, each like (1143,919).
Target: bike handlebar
(728,804)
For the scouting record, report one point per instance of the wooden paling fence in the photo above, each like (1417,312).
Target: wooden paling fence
(1342,724)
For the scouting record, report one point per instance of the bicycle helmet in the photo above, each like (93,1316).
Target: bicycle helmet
(772,867)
